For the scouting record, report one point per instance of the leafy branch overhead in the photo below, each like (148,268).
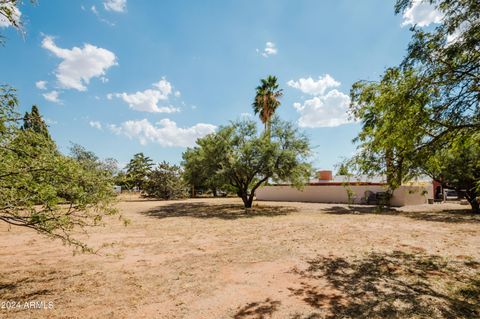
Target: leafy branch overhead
(40,188)
(11,15)
(424,114)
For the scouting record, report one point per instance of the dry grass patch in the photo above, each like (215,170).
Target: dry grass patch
(393,285)
(211,258)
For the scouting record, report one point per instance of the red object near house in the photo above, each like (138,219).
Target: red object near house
(325,175)
(437,190)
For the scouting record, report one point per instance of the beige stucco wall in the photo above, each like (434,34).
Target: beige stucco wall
(405,195)
(412,195)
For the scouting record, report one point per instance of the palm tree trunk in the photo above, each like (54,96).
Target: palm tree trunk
(269,126)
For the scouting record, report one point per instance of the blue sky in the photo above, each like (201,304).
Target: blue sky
(121,77)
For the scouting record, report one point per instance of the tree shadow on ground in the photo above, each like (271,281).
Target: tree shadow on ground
(395,285)
(257,310)
(208,210)
(446,216)
(139,200)
(309,316)
(29,286)
(21,290)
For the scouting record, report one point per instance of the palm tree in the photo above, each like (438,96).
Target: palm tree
(266,100)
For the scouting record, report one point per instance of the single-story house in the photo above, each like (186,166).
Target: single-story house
(326,188)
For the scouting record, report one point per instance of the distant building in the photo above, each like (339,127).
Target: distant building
(326,188)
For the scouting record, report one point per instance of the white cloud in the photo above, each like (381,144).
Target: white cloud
(97,14)
(164,87)
(421,13)
(165,132)
(457,35)
(327,107)
(41,85)
(115,5)
(52,96)
(79,65)
(270,49)
(148,100)
(312,87)
(94,10)
(95,124)
(328,110)
(16,15)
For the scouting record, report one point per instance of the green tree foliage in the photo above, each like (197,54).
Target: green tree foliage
(138,169)
(398,138)
(422,116)
(8,103)
(246,159)
(395,126)
(193,172)
(83,156)
(447,60)
(33,121)
(90,161)
(343,169)
(165,181)
(266,100)
(121,179)
(458,167)
(198,167)
(42,189)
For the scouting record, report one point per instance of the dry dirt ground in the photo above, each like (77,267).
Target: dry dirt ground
(209,258)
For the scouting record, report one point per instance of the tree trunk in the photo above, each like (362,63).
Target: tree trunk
(247,200)
(389,167)
(472,199)
(250,201)
(243,195)
(475,207)
(268,128)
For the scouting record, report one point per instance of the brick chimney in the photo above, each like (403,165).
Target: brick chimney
(325,175)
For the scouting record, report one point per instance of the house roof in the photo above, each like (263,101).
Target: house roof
(361,179)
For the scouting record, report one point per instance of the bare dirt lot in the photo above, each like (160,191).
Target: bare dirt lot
(209,258)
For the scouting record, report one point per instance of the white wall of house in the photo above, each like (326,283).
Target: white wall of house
(412,195)
(404,195)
